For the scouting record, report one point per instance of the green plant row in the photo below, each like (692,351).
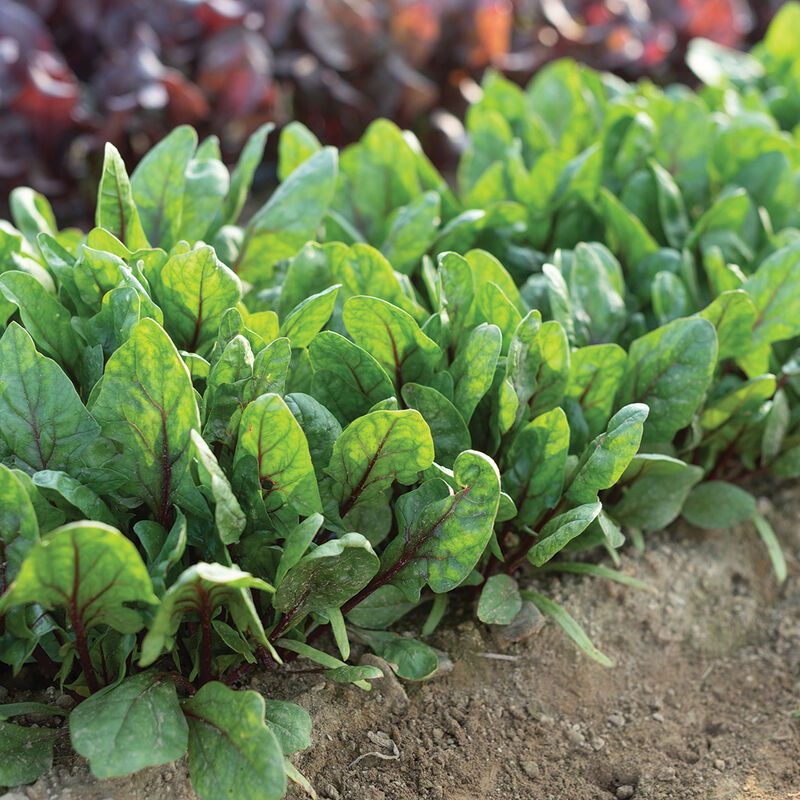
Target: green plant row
(220,441)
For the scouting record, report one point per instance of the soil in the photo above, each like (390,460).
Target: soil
(699,704)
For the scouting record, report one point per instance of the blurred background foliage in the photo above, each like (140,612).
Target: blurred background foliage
(75,73)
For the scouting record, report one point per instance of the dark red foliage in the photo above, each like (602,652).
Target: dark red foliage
(75,73)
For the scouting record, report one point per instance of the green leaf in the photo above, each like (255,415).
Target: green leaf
(569,625)
(270,433)
(26,753)
(289,218)
(158,184)
(374,451)
(290,723)
(392,337)
(207,183)
(88,502)
(147,405)
(474,366)
(733,315)
(232,751)
(242,176)
(10,710)
(609,454)
(107,727)
(32,213)
(43,422)
(441,541)
(447,426)
(670,369)
(410,659)
(742,402)
(655,488)
(296,145)
(228,515)
(412,229)
(45,319)
(627,236)
(598,571)
(327,577)
(19,528)
(534,474)
(776,427)
(116,210)
(774,290)
(772,544)
(305,320)
(718,504)
(500,600)
(194,289)
(201,589)
(347,379)
(89,569)
(384,606)
(594,376)
(561,530)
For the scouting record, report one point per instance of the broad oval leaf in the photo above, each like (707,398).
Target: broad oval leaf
(108,727)
(232,752)
(561,530)
(89,569)
(290,723)
(147,405)
(670,369)
(500,600)
(327,577)
(270,433)
(718,504)
(374,451)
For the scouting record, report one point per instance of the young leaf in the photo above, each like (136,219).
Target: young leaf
(569,625)
(116,211)
(561,530)
(107,727)
(474,366)
(442,540)
(718,504)
(393,337)
(290,723)
(89,569)
(447,426)
(374,451)
(270,433)
(232,752)
(296,145)
(607,457)
(410,659)
(89,503)
(347,379)
(655,488)
(594,376)
(289,218)
(305,320)
(147,405)
(500,600)
(195,289)
(43,423)
(670,369)
(19,528)
(327,577)
(201,589)
(242,176)
(158,183)
(534,476)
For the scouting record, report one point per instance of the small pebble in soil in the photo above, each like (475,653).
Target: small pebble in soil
(658,717)
(530,768)
(719,764)
(617,720)
(598,743)
(625,792)
(332,792)
(576,738)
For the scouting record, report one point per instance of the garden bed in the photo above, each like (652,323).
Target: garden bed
(699,704)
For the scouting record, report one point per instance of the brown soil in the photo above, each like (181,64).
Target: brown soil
(699,705)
